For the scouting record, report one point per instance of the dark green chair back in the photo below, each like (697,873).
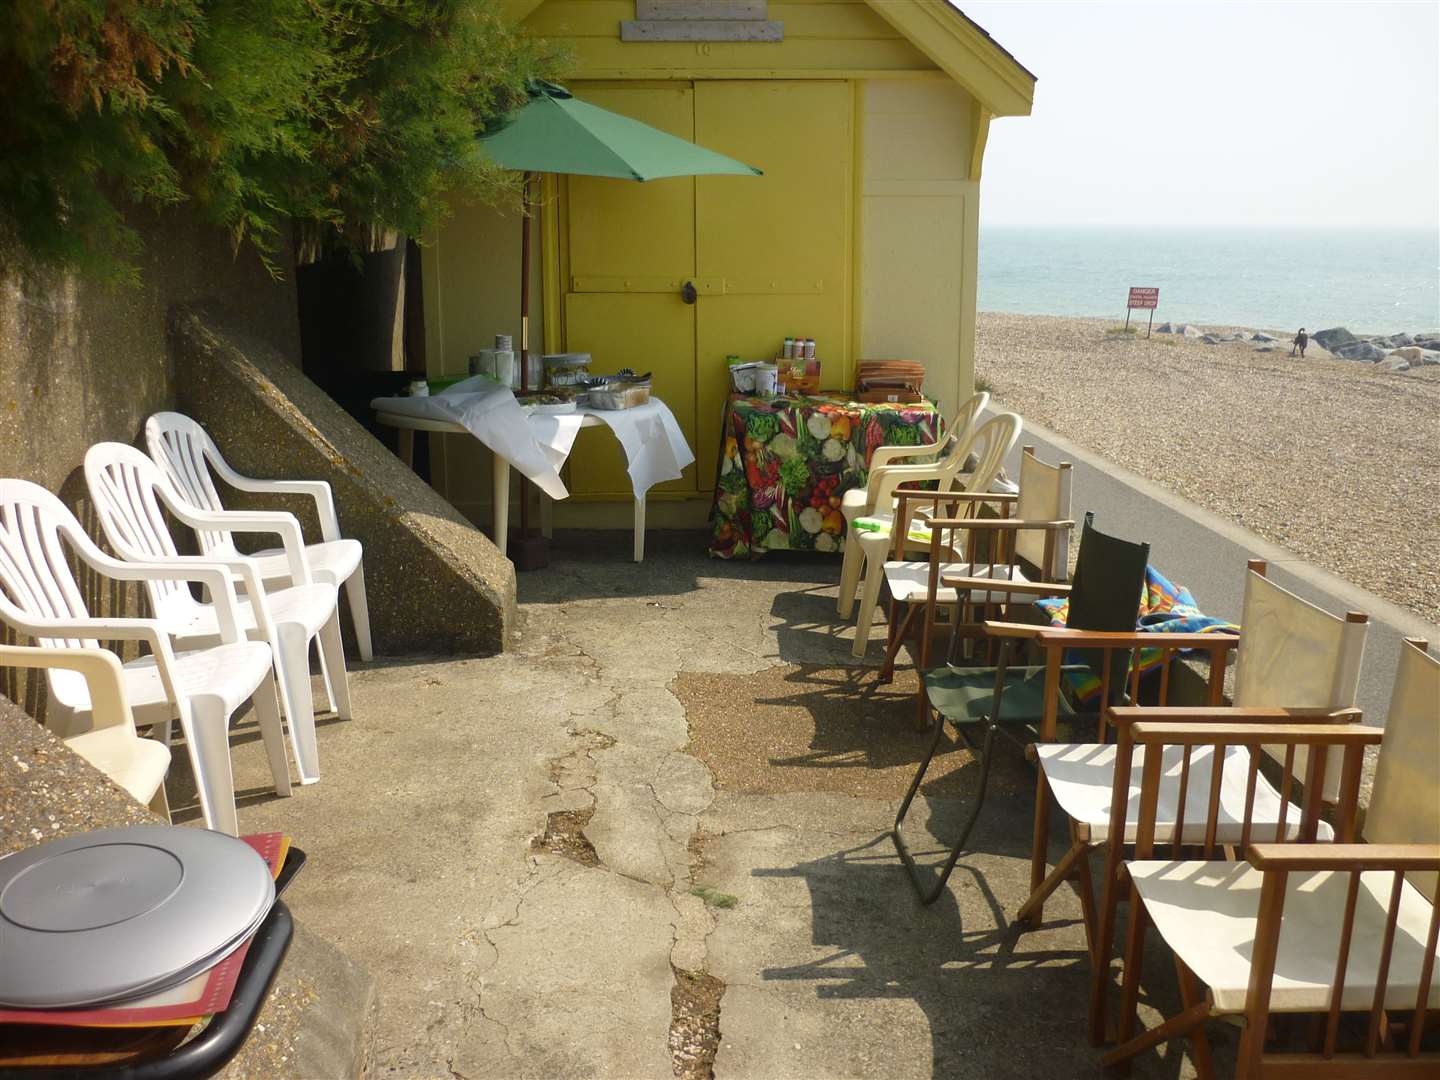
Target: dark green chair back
(1105,595)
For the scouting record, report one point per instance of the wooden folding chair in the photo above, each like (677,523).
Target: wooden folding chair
(1344,932)
(1027,541)
(1030,699)
(1295,663)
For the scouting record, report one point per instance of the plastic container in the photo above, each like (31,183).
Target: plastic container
(506,370)
(619,395)
(742,378)
(566,369)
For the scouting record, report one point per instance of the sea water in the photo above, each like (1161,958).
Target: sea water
(1376,281)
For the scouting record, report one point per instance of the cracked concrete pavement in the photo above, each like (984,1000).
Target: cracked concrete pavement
(497,960)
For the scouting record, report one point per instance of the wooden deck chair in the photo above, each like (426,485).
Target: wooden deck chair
(1344,932)
(1104,604)
(1291,656)
(1031,543)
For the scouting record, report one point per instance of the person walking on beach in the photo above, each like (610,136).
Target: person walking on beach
(1301,340)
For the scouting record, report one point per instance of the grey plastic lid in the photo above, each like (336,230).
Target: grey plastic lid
(111,914)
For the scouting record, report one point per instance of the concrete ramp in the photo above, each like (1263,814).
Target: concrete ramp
(436,584)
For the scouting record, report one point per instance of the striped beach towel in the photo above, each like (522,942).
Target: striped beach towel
(1165,608)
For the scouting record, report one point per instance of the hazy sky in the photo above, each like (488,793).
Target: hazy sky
(1222,113)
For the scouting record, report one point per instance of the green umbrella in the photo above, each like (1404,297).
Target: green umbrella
(555,132)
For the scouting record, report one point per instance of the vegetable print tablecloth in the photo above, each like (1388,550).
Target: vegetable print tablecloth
(786,462)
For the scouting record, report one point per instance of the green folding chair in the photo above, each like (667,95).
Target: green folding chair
(1026,701)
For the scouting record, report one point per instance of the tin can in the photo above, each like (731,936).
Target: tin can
(504,343)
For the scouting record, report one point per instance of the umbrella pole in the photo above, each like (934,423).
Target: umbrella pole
(530,552)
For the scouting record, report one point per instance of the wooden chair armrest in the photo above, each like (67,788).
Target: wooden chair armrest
(1096,639)
(1347,857)
(984,496)
(1121,715)
(1005,585)
(1011,630)
(1160,733)
(997,524)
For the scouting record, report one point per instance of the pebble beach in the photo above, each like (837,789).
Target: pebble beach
(1333,459)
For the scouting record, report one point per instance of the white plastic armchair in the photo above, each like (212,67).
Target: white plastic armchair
(990,443)
(129,490)
(860,501)
(186,454)
(112,745)
(202,688)
(960,429)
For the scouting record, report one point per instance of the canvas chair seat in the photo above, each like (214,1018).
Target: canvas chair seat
(1082,775)
(966,695)
(909,581)
(1207,913)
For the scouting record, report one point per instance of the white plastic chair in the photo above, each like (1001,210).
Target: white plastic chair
(111,745)
(1323,929)
(129,488)
(186,454)
(203,687)
(990,443)
(858,502)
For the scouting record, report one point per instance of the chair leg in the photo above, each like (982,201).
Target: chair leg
(292,662)
(360,611)
(929,896)
(160,803)
(207,739)
(899,628)
(325,678)
(1178,1026)
(1190,996)
(333,650)
(1039,848)
(869,600)
(272,732)
(854,559)
(1064,870)
(1129,979)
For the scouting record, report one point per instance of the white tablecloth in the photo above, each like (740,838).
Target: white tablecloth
(538,444)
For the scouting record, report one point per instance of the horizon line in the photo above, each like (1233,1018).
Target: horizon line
(1435,226)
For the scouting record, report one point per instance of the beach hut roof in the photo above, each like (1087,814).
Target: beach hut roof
(952,41)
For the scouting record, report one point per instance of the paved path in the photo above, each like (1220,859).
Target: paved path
(1206,553)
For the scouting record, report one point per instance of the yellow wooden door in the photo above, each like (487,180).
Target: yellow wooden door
(770,255)
(781,242)
(631,247)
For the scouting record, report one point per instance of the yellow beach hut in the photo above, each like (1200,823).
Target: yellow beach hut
(869,119)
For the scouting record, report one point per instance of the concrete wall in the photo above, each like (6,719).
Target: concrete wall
(919,214)
(435,584)
(82,362)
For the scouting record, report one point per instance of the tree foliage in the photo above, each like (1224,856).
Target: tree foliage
(349,117)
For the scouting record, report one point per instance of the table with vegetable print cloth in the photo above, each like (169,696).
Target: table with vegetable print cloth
(786,462)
